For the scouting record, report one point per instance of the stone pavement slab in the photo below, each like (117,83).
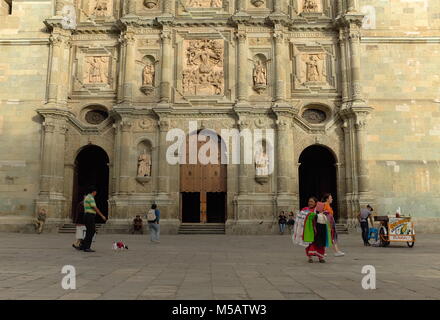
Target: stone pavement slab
(214,267)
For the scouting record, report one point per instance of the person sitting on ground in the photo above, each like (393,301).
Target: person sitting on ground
(137,225)
(282,222)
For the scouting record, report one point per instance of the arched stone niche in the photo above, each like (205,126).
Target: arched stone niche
(259,73)
(144,161)
(148,74)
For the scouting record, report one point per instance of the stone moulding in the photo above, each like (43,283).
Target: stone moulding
(147,90)
(143,180)
(262,179)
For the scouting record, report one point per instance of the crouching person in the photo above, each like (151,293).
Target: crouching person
(41,220)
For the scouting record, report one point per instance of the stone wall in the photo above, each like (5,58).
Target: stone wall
(24,52)
(400,80)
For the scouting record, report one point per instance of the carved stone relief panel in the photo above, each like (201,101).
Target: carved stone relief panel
(310,6)
(314,68)
(313,9)
(97,10)
(202,67)
(94,70)
(100,8)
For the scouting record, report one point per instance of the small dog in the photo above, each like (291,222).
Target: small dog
(119,246)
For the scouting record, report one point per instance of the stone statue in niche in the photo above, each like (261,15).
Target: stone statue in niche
(310,6)
(261,161)
(259,76)
(148,74)
(96,70)
(314,68)
(204,3)
(144,164)
(203,67)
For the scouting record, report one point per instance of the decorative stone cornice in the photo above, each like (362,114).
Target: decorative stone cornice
(54,113)
(350,19)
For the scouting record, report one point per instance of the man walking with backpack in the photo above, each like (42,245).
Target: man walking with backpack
(153,217)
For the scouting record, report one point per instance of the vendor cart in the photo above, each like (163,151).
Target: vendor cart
(396,229)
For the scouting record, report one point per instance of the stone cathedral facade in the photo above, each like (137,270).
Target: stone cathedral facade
(90,89)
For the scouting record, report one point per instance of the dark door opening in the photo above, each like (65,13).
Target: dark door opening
(191,207)
(91,169)
(215,207)
(205,183)
(317,175)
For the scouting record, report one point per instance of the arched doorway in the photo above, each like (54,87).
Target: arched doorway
(317,175)
(203,186)
(91,169)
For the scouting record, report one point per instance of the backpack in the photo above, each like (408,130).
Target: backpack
(151,215)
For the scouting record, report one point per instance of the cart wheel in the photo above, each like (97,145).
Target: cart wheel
(382,235)
(410,244)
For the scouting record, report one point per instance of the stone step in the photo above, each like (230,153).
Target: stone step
(71,228)
(341,228)
(196,228)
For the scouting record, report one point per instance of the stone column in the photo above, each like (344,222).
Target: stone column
(167,72)
(283,148)
(355,60)
(243,168)
(242,85)
(46,163)
(131,10)
(59,7)
(352,5)
(363,180)
(241,5)
(124,165)
(278,6)
(163,172)
(340,9)
(56,41)
(343,63)
(169,7)
(279,67)
(130,57)
(59,139)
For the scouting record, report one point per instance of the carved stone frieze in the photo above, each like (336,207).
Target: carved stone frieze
(203,3)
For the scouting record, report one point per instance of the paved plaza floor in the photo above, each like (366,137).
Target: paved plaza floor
(214,267)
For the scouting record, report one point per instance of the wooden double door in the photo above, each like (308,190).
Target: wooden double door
(203,188)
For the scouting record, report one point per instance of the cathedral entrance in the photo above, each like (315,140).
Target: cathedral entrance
(91,169)
(317,175)
(203,186)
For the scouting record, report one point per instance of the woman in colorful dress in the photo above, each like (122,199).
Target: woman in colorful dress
(321,234)
(328,199)
(301,235)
